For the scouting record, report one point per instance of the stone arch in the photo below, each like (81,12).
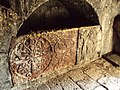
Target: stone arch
(42,49)
(70,14)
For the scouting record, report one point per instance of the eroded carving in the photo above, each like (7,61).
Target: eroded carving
(89,43)
(35,54)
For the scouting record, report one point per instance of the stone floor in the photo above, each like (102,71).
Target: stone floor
(98,75)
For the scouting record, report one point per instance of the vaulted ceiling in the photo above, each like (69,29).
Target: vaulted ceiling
(52,14)
(58,14)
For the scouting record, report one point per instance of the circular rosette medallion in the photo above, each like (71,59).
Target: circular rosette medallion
(30,56)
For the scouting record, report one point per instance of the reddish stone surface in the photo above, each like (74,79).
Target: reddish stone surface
(37,54)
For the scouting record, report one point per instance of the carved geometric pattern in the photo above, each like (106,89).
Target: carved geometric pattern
(39,53)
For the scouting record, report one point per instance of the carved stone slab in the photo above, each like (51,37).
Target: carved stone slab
(36,54)
(89,43)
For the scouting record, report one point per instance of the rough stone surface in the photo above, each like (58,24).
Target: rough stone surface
(106,11)
(44,87)
(89,43)
(83,80)
(100,88)
(78,79)
(69,84)
(35,54)
(97,69)
(5,77)
(54,84)
(63,83)
(104,73)
(25,8)
(28,60)
(8,23)
(106,81)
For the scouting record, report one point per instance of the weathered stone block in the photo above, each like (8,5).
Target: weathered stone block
(62,83)
(96,70)
(89,43)
(36,54)
(108,82)
(5,77)
(82,80)
(8,26)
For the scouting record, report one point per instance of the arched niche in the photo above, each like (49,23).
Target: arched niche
(59,14)
(36,54)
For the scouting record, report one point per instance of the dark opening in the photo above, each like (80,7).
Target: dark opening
(116,34)
(60,14)
(5,3)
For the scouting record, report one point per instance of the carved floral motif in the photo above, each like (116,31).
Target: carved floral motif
(35,54)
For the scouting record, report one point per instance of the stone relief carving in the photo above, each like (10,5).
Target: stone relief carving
(89,43)
(35,54)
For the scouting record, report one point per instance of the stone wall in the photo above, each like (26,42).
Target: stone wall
(25,8)
(8,23)
(89,44)
(41,55)
(106,11)
(91,40)
(35,55)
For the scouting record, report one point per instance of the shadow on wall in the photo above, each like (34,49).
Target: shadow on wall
(59,14)
(5,3)
(116,35)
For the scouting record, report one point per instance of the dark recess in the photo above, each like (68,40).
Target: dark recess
(108,59)
(5,3)
(116,35)
(60,14)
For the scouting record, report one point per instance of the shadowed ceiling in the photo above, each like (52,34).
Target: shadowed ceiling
(59,14)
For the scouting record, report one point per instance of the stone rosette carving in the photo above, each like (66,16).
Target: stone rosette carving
(39,53)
